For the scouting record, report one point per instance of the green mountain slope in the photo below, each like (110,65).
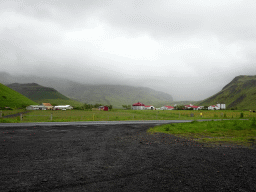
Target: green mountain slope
(117,95)
(41,94)
(240,93)
(13,99)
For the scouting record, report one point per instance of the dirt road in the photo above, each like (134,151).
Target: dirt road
(118,158)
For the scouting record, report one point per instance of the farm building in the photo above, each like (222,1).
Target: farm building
(150,107)
(48,105)
(217,107)
(221,106)
(194,107)
(138,106)
(103,108)
(167,108)
(213,107)
(62,107)
(36,107)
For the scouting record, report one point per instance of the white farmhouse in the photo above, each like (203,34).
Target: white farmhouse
(62,107)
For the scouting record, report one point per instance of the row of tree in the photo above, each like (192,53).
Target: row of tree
(126,106)
(90,106)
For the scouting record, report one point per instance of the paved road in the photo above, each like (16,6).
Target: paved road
(81,123)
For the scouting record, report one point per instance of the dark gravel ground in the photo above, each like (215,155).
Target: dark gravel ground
(119,158)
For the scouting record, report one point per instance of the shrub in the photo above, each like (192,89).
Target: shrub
(253,123)
(241,115)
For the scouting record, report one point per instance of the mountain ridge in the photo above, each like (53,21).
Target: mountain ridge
(239,93)
(116,95)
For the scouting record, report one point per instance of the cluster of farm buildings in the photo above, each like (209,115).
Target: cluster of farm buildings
(135,106)
(141,106)
(48,106)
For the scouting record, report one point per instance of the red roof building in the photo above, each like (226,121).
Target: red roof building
(138,106)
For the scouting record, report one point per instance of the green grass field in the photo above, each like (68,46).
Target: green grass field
(125,115)
(218,132)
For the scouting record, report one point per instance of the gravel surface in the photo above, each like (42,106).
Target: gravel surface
(119,158)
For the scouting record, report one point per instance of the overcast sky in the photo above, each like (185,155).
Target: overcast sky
(188,48)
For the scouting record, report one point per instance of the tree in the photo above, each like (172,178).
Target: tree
(179,107)
(126,106)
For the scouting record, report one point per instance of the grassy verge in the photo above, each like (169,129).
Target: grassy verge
(217,132)
(11,112)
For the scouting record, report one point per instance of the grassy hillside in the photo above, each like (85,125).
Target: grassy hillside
(13,99)
(117,95)
(41,94)
(240,93)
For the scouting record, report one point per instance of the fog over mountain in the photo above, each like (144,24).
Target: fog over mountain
(188,49)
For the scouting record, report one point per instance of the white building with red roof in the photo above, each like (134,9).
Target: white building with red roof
(194,107)
(138,106)
(167,108)
(213,107)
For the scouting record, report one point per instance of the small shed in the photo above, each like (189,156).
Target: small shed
(103,108)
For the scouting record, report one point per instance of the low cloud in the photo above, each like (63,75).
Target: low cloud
(189,49)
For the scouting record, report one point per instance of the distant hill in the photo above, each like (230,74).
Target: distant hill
(117,95)
(240,93)
(13,99)
(41,94)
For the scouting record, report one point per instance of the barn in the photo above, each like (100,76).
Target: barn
(62,107)
(138,106)
(36,107)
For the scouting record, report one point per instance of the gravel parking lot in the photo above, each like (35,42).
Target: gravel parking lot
(119,158)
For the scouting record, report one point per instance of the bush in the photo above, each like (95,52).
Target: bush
(167,129)
(241,115)
(253,123)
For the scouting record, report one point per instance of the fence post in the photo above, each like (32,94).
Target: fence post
(0,114)
(51,116)
(21,116)
(93,116)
